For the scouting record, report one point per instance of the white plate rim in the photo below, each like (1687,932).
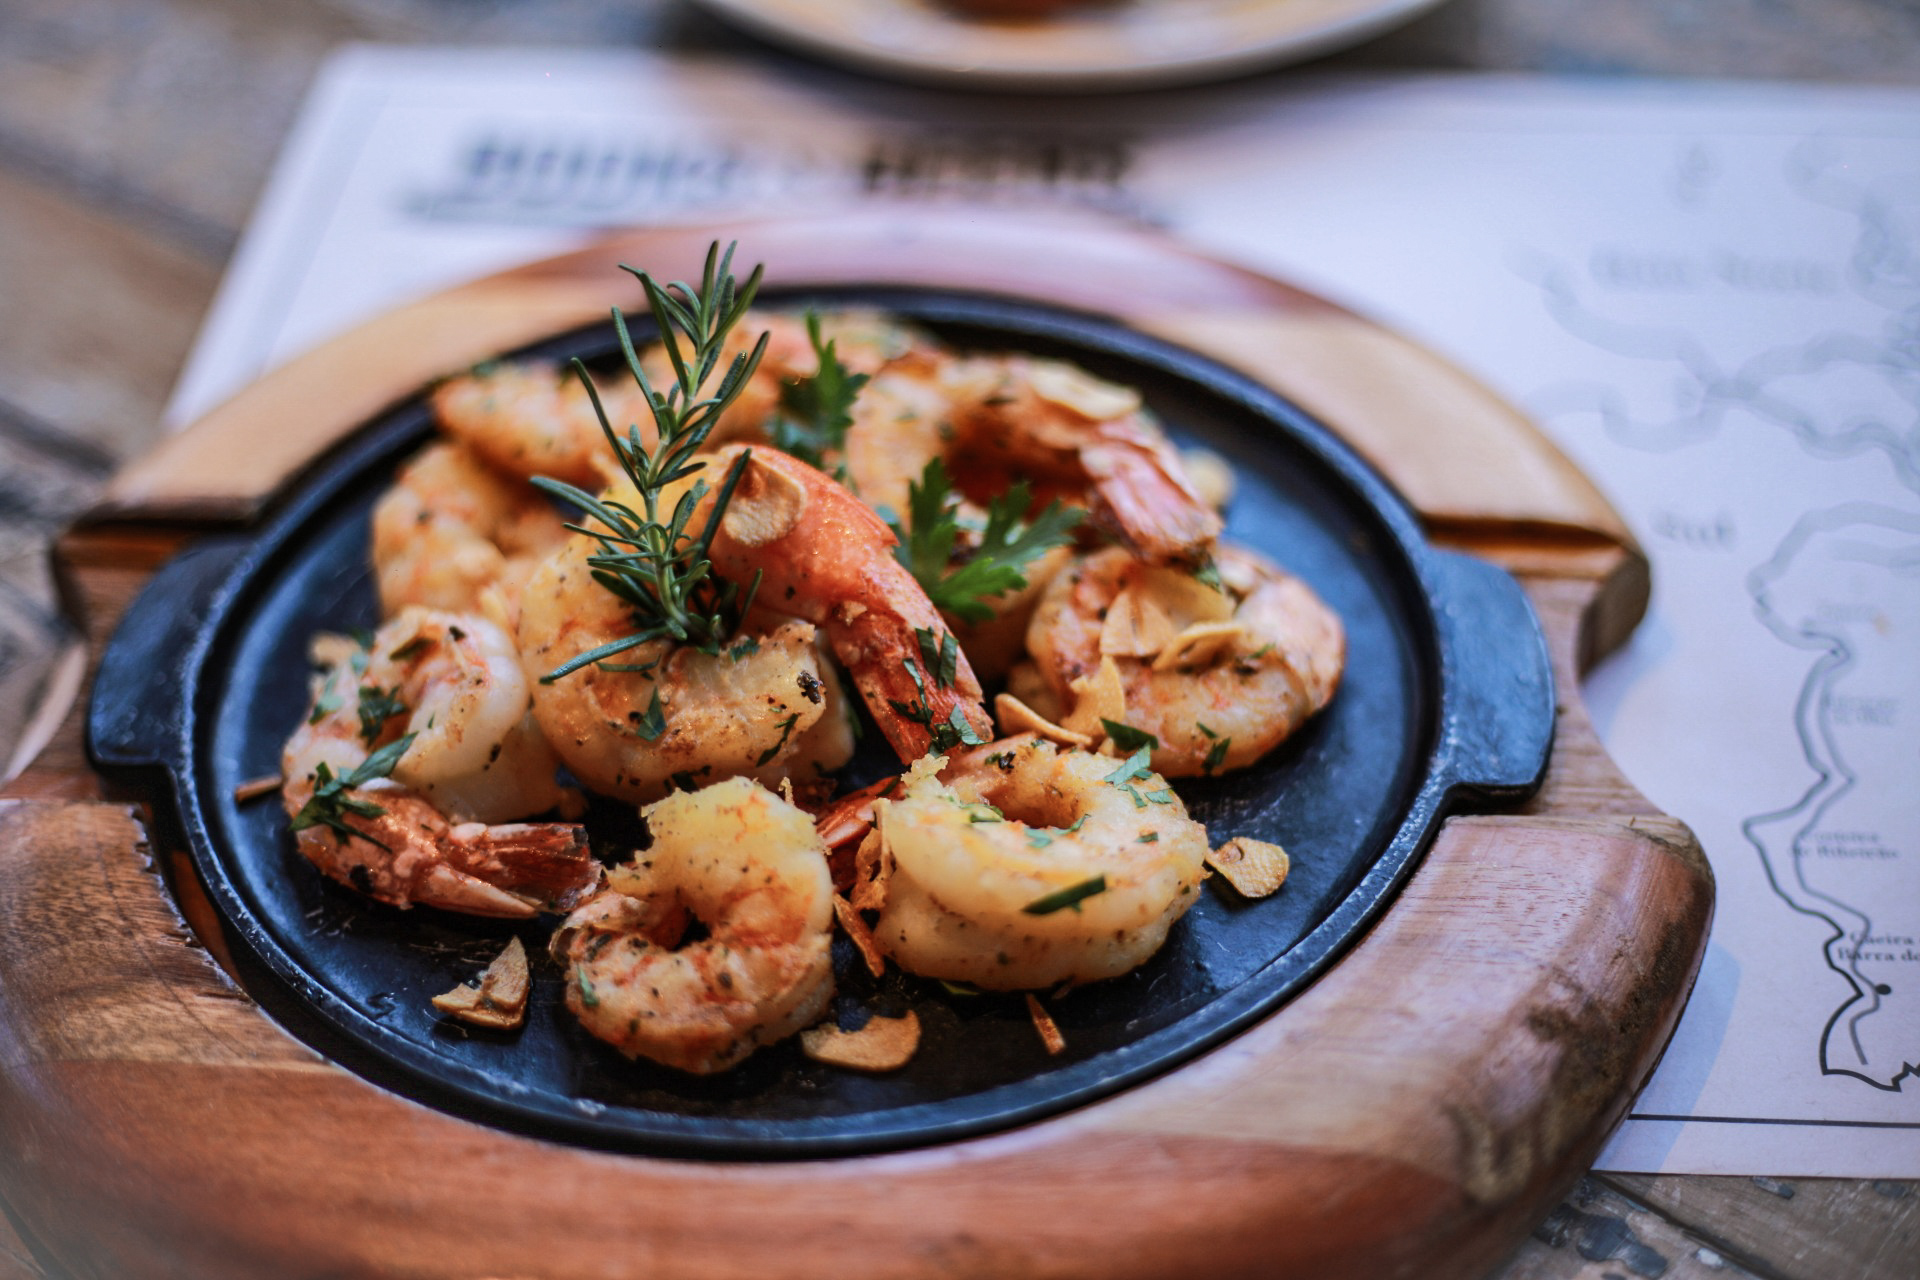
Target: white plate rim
(1084,51)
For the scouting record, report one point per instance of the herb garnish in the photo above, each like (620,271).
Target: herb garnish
(654,563)
(331,804)
(1217,753)
(786,730)
(943,659)
(1006,543)
(1071,896)
(815,412)
(377,706)
(325,705)
(653,722)
(1127,738)
(1041,837)
(1132,770)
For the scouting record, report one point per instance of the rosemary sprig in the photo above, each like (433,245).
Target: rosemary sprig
(330,803)
(651,559)
(815,412)
(1008,543)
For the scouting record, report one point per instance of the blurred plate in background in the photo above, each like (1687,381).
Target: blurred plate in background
(1082,47)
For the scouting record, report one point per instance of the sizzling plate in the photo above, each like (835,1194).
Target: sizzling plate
(1447,697)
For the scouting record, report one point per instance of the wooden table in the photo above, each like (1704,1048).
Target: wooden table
(135,135)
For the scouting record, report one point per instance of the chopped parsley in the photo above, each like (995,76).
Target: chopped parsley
(1127,738)
(1132,770)
(1008,542)
(954,730)
(786,731)
(1071,896)
(653,723)
(377,706)
(325,705)
(815,412)
(331,802)
(1041,837)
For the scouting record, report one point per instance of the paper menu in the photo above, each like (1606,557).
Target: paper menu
(1708,294)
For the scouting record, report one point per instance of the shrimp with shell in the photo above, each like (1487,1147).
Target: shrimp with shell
(749,868)
(417,752)
(765,702)
(1218,674)
(822,554)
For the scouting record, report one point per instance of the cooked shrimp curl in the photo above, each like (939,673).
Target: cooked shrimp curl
(749,867)
(1219,676)
(1026,864)
(534,418)
(767,705)
(434,830)
(451,529)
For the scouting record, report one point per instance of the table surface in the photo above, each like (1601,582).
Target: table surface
(135,136)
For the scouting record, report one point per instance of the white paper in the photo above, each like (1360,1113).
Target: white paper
(1708,294)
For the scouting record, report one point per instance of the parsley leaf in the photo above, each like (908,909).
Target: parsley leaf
(1071,896)
(815,412)
(325,705)
(1127,738)
(377,706)
(1132,770)
(786,731)
(654,722)
(331,804)
(1007,543)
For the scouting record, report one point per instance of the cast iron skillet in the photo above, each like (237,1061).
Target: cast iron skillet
(1447,702)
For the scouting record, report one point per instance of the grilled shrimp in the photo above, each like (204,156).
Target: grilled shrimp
(748,866)
(534,418)
(451,528)
(1026,864)
(825,556)
(440,699)
(767,705)
(1220,677)
(1076,436)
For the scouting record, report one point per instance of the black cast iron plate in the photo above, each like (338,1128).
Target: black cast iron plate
(1447,698)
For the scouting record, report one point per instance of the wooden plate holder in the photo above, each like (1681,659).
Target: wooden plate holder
(1413,1112)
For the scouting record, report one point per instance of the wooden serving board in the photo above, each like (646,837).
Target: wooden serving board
(1414,1112)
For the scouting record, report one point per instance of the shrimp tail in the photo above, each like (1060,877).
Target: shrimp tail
(547,862)
(823,555)
(1060,427)
(1142,496)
